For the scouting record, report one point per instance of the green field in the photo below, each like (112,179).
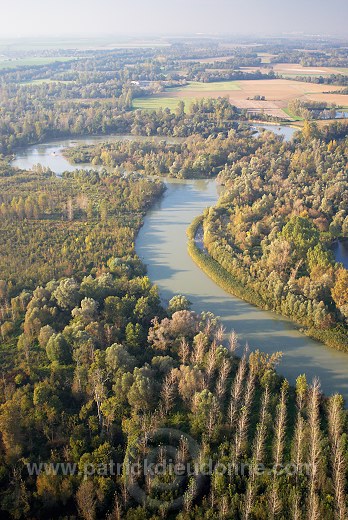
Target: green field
(156,102)
(290,114)
(30,62)
(162,101)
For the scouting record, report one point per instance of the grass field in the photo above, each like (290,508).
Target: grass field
(291,115)
(156,102)
(186,94)
(29,62)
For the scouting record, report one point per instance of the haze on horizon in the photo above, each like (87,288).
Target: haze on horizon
(114,17)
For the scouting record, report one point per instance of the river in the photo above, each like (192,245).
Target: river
(162,245)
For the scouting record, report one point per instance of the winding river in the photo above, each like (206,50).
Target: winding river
(161,244)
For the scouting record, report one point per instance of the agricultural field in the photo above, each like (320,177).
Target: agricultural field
(187,94)
(158,101)
(218,86)
(291,70)
(277,92)
(295,69)
(208,60)
(29,62)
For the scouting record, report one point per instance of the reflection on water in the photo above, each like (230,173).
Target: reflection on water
(340,251)
(286,131)
(341,115)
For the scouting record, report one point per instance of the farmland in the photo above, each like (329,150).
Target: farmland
(158,101)
(187,94)
(292,70)
(277,93)
(29,62)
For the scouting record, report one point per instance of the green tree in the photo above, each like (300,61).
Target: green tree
(58,350)
(178,303)
(67,294)
(302,234)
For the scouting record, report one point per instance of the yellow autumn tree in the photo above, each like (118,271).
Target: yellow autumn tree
(340,289)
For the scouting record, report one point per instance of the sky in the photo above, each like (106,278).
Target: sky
(20,18)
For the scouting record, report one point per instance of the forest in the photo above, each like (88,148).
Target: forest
(281,209)
(96,368)
(54,227)
(93,369)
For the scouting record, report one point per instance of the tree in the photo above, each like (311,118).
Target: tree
(315,448)
(16,500)
(336,425)
(340,289)
(307,130)
(319,259)
(67,294)
(279,256)
(302,234)
(178,303)
(117,359)
(11,428)
(86,500)
(58,350)
(168,392)
(141,395)
(53,490)
(278,449)
(44,335)
(134,335)
(88,310)
(257,455)
(180,110)
(6,329)
(70,209)
(236,392)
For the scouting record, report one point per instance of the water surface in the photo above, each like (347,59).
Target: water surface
(286,131)
(340,251)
